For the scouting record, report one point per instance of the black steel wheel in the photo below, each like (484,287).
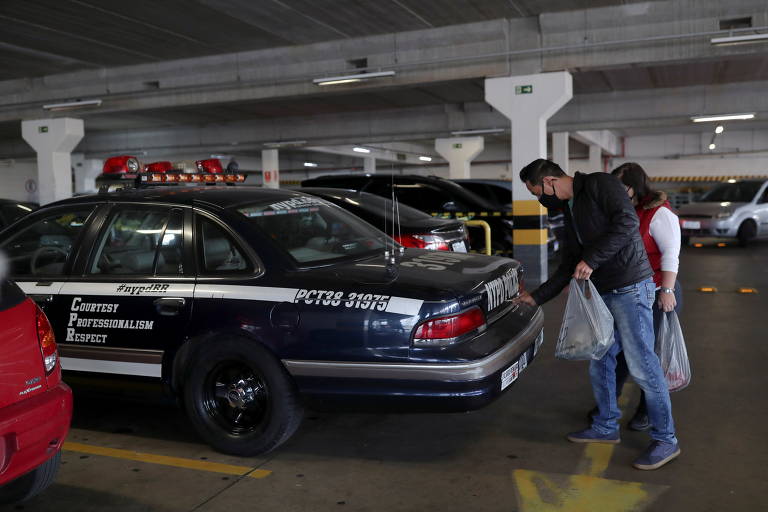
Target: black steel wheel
(747,231)
(239,397)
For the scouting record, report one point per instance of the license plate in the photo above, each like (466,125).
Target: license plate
(691,224)
(459,247)
(510,375)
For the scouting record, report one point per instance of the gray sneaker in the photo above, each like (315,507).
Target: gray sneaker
(656,455)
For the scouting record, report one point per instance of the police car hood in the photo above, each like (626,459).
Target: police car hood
(433,276)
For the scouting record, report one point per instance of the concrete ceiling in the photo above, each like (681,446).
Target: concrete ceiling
(55,36)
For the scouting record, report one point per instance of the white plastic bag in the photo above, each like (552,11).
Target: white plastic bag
(670,347)
(587,329)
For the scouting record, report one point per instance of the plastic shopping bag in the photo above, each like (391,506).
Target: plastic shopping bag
(587,329)
(670,347)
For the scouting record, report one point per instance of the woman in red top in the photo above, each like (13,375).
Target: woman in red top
(660,229)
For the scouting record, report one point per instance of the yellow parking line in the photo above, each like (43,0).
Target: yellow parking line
(179,462)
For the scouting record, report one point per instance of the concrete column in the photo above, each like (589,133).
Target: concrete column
(369,165)
(528,101)
(560,150)
(53,140)
(595,158)
(270,167)
(459,151)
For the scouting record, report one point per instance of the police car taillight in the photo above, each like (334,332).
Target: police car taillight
(212,165)
(47,341)
(164,166)
(121,164)
(447,329)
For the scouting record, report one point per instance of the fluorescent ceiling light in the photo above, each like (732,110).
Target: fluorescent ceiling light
(712,146)
(723,117)
(347,79)
(731,181)
(719,129)
(358,149)
(285,143)
(72,105)
(745,39)
(310,164)
(425,158)
(477,132)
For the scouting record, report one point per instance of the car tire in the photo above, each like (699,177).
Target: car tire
(239,397)
(747,231)
(31,484)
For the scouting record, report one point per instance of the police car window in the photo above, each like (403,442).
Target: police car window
(43,247)
(313,232)
(140,241)
(219,252)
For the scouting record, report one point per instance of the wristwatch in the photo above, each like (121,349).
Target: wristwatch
(663,289)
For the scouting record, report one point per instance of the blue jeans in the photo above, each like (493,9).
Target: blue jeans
(631,308)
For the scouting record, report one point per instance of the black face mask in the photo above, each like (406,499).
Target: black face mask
(551,200)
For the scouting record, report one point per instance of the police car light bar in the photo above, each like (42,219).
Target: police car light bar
(191,178)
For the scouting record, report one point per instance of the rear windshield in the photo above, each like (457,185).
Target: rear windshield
(314,232)
(10,295)
(382,207)
(739,192)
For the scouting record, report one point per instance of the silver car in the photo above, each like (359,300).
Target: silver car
(736,209)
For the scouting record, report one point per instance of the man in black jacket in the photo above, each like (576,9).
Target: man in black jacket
(603,244)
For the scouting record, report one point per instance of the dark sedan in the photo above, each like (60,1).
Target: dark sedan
(413,228)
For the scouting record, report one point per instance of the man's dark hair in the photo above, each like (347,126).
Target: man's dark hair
(632,175)
(535,171)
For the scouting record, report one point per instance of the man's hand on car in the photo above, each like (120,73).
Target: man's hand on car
(524,298)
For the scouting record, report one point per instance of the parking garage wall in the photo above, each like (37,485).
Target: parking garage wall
(18,180)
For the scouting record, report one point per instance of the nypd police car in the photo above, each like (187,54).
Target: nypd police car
(245,301)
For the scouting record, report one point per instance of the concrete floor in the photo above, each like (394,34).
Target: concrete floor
(508,456)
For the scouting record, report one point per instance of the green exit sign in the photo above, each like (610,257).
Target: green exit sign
(457,146)
(42,129)
(523,89)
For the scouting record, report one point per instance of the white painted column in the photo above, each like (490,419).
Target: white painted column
(595,158)
(459,151)
(560,149)
(270,167)
(528,101)
(369,165)
(53,140)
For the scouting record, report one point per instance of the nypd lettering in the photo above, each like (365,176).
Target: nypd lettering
(154,288)
(501,289)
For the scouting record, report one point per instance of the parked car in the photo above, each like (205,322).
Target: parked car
(431,195)
(736,209)
(499,192)
(245,301)
(11,210)
(35,405)
(412,228)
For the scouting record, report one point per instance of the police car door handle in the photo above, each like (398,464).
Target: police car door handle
(169,306)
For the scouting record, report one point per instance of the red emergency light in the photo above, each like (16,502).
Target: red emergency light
(121,164)
(211,165)
(163,166)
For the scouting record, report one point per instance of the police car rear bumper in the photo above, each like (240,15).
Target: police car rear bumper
(445,386)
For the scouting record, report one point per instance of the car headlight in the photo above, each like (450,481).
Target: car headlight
(724,215)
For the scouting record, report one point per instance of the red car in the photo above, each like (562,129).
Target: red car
(35,405)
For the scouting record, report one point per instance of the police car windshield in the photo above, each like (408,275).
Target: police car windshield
(314,232)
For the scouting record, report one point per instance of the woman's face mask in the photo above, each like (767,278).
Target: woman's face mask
(551,200)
